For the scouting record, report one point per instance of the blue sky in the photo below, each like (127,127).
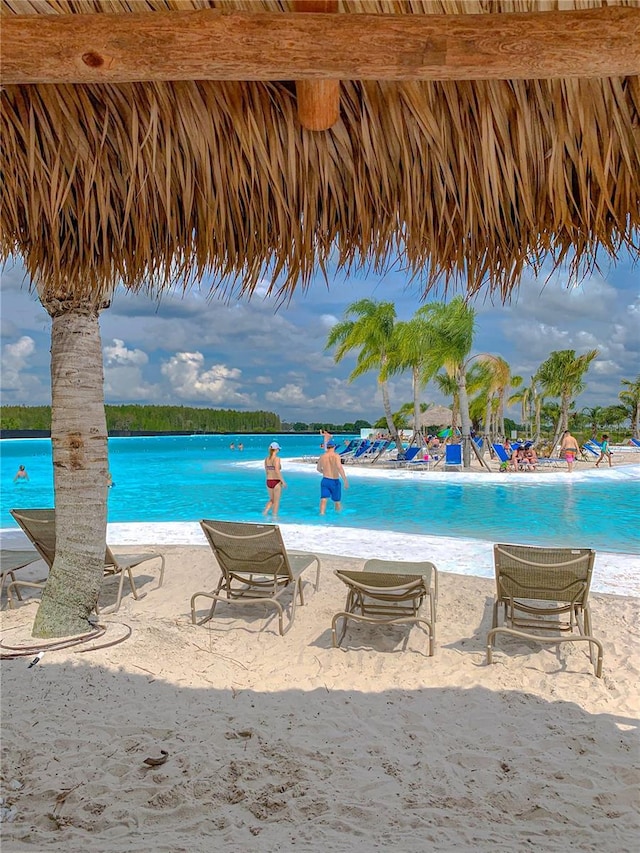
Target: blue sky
(249,354)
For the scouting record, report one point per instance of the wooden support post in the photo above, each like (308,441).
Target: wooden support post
(318,100)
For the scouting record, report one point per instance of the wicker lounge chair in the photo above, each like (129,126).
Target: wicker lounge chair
(40,527)
(256,568)
(13,561)
(534,584)
(388,592)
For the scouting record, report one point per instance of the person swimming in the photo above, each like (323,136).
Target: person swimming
(21,475)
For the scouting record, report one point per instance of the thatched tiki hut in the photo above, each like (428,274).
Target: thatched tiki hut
(237,139)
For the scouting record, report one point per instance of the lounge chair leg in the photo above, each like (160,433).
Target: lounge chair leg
(12,576)
(161,581)
(490,638)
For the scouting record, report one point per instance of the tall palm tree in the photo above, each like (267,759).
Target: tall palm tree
(595,417)
(448,386)
(80,465)
(452,326)
(523,397)
(497,379)
(412,341)
(372,334)
(630,396)
(561,375)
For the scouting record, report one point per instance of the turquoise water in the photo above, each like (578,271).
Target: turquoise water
(186,478)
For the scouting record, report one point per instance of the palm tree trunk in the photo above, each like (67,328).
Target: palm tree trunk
(566,401)
(488,425)
(416,404)
(501,394)
(558,432)
(393,432)
(537,415)
(79,444)
(465,420)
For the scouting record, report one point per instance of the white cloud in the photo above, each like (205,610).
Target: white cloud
(119,354)
(15,359)
(123,376)
(218,384)
(20,351)
(126,383)
(328,321)
(19,384)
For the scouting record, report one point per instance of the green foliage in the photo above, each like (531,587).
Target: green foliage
(25,417)
(511,425)
(134,418)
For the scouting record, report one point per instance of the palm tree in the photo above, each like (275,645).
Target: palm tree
(630,396)
(80,465)
(595,418)
(448,386)
(412,341)
(372,333)
(452,326)
(561,375)
(497,379)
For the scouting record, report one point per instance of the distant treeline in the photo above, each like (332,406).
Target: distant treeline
(134,418)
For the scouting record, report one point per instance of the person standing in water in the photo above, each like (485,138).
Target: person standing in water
(326,437)
(275,480)
(330,466)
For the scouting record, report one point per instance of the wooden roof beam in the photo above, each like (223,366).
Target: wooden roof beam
(318,100)
(213,45)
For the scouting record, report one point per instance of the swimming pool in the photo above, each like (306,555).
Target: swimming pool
(186,478)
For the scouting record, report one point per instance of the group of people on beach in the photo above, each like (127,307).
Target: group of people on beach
(329,465)
(521,458)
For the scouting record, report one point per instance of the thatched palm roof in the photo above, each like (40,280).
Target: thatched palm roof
(436,416)
(142,182)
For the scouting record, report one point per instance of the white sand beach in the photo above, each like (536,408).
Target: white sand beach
(284,743)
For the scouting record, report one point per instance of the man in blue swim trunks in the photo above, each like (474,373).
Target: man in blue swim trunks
(330,466)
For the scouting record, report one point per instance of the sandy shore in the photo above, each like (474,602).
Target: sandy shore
(284,743)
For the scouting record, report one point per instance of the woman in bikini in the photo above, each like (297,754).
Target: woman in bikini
(275,480)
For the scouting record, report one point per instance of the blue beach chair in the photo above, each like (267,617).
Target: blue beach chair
(635,442)
(591,449)
(501,453)
(452,456)
(406,456)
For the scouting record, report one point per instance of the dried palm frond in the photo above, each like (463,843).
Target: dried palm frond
(149,183)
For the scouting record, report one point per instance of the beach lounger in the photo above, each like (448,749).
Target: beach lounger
(370,451)
(255,568)
(635,442)
(452,456)
(534,585)
(11,562)
(590,450)
(418,462)
(501,453)
(40,527)
(405,456)
(359,451)
(387,592)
